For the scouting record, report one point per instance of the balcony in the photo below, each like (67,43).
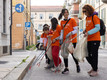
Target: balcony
(104,1)
(74,12)
(77,1)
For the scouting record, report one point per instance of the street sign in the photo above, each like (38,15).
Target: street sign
(19,8)
(27,25)
(37,33)
(24,36)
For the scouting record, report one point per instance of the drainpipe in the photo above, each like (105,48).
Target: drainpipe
(11,31)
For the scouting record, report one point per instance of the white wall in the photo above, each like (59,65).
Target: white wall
(5,37)
(1,16)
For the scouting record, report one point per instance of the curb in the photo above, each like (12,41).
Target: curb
(19,72)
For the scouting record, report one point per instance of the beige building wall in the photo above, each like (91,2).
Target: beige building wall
(34,38)
(19,20)
(45,20)
(18,31)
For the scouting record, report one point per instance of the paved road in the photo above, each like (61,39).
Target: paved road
(39,73)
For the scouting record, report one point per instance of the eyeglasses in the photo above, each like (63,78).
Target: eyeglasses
(84,11)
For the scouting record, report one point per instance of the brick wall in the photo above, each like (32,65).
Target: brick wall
(18,31)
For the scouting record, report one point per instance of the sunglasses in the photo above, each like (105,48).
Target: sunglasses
(84,11)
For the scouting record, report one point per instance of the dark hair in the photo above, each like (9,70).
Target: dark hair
(45,25)
(54,23)
(45,28)
(62,13)
(89,9)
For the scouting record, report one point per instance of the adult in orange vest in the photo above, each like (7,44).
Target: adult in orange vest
(93,40)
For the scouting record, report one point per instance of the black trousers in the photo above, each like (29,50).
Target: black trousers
(92,58)
(66,60)
(47,59)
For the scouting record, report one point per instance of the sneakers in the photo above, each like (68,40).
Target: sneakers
(48,67)
(55,69)
(66,70)
(46,61)
(78,69)
(51,65)
(61,66)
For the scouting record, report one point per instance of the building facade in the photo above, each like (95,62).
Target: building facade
(42,14)
(20,36)
(5,24)
(101,8)
(73,7)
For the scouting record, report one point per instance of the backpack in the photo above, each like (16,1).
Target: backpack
(102,27)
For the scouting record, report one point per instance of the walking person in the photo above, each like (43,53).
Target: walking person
(55,44)
(93,40)
(43,40)
(70,30)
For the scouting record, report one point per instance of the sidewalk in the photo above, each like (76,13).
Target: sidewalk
(9,69)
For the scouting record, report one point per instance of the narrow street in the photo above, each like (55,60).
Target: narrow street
(28,25)
(40,73)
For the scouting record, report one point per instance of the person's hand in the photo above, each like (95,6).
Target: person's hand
(44,47)
(67,36)
(49,36)
(84,31)
(61,41)
(86,34)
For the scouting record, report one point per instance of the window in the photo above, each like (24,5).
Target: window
(41,16)
(40,27)
(88,1)
(50,16)
(98,13)
(5,49)
(23,2)
(92,3)
(4,17)
(32,15)
(35,26)
(97,1)
(103,15)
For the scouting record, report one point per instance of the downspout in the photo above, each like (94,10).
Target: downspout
(11,31)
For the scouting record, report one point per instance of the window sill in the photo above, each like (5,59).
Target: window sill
(4,34)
